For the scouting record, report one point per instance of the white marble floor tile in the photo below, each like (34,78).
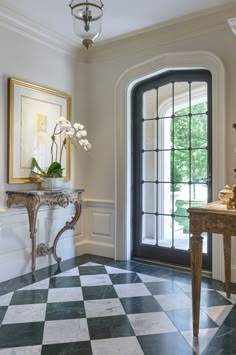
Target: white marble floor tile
(91,264)
(6,299)
(172,301)
(65,294)
(114,270)
(95,280)
(131,290)
(117,346)
(40,285)
(199,343)
(184,287)
(26,350)
(103,308)
(25,313)
(71,272)
(151,323)
(218,313)
(65,331)
(147,278)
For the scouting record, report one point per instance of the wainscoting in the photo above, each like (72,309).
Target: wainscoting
(15,251)
(94,234)
(98,229)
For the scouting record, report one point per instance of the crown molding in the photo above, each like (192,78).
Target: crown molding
(109,53)
(18,23)
(23,25)
(166,23)
(200,23)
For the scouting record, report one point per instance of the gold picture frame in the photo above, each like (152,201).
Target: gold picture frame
(32,111)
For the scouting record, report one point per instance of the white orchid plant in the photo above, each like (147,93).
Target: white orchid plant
(77,136)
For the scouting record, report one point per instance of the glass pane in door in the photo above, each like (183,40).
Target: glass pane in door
(171,165)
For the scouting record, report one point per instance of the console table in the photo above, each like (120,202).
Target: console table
(214,218)
(32,200)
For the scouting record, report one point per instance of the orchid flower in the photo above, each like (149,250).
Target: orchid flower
(76,135)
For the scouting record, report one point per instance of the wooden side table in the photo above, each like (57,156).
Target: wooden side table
(214,218)
(32,200)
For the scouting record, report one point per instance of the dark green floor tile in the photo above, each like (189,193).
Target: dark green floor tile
(162,287)
(128,278)
(29,296)
(80,348)
(99,292)
(165,344)
(3,310)
(92,270)
(65,310)
(223,343)
(143,304)
(213,298)
(64,281)
(109,327)
(23,334)
(182,319)
(230,320)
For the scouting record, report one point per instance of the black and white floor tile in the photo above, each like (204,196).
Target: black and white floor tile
(99,309)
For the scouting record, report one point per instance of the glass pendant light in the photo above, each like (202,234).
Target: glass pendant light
(87,20)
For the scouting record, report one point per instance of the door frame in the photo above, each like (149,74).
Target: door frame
(167,61)
(140,249)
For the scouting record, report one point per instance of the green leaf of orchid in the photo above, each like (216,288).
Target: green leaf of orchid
(55,170)
(34,164)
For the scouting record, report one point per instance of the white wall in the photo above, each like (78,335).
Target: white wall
(107,63)
(29,60)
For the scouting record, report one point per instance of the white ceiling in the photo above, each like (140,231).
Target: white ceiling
(121,17)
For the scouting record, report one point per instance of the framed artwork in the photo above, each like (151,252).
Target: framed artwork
(32,113)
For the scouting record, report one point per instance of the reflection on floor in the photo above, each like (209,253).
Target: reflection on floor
(97,306)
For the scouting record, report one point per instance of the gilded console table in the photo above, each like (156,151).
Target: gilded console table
(214,218)
(32,200)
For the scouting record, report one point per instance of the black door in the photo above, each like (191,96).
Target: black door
(171,155)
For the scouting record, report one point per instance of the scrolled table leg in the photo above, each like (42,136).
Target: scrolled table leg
(68,225)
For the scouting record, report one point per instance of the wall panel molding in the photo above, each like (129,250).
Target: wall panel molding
(15,258)
(94,234)
(99,227)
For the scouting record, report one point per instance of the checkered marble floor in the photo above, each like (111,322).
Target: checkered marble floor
(103,310)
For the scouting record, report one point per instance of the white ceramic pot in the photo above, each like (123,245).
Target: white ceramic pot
(52,183)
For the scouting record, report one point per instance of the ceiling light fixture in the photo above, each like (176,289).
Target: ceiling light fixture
(87,19)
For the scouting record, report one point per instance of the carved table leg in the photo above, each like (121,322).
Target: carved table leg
(68,225)
(196,267)
(32,209)
(227,260)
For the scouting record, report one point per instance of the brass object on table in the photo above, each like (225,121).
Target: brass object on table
(231,203)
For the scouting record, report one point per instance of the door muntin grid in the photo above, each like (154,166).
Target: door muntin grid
(173,166)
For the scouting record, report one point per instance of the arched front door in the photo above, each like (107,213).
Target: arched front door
(171,157)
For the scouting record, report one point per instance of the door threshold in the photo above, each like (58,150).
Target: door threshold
(171,266)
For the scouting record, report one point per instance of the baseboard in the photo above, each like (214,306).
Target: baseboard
(95,248)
